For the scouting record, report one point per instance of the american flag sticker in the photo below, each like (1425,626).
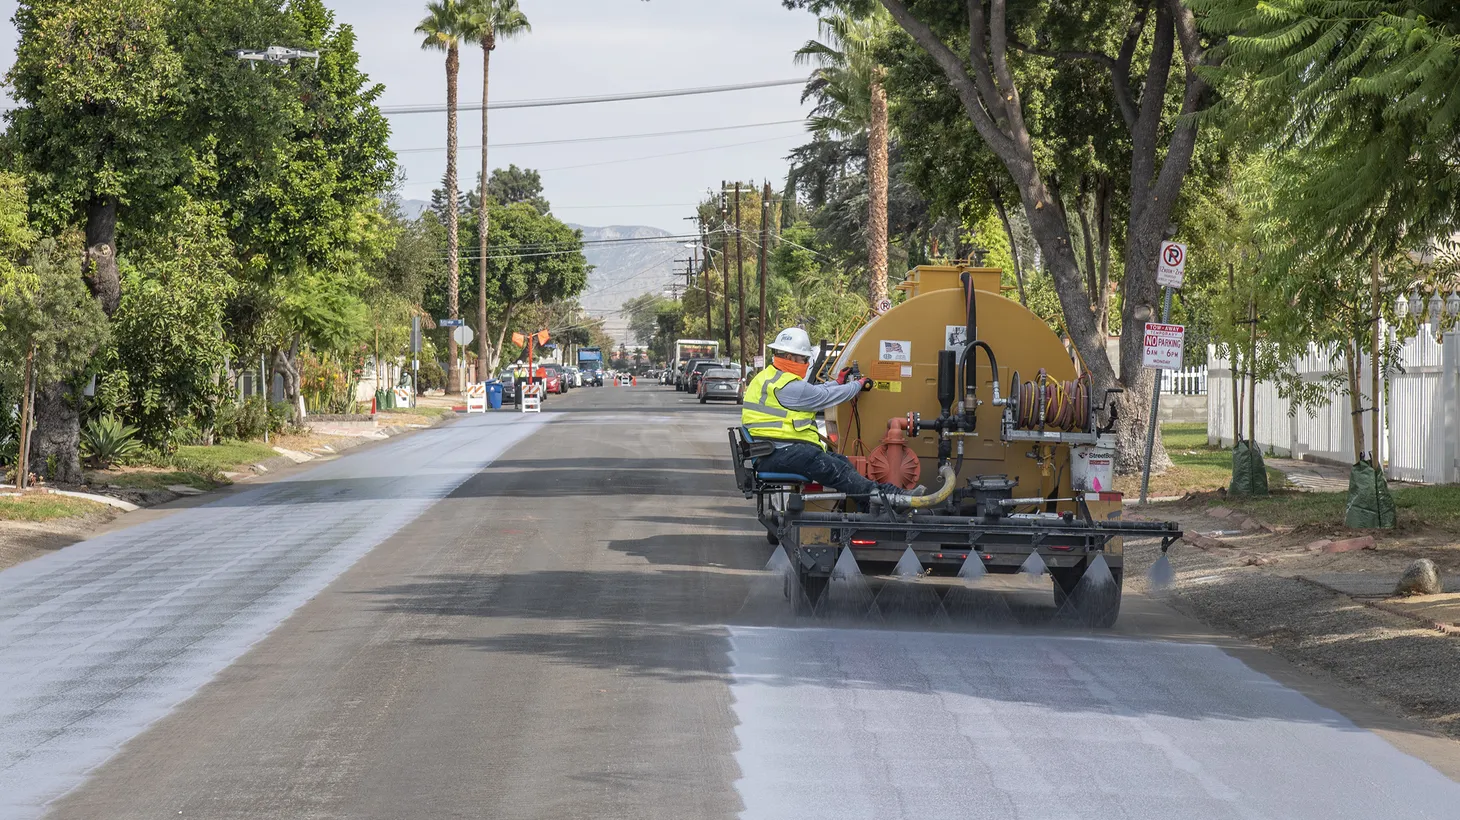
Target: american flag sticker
(895,351)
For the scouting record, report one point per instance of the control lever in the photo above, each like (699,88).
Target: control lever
(1114,409)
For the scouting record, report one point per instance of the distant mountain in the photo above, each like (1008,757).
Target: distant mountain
(413,208)
(625,269)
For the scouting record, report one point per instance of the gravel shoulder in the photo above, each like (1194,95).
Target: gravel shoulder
(1260,586)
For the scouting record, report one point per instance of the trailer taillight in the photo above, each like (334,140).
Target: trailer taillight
(861,542)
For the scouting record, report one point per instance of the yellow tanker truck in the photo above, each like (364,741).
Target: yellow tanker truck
(974,395)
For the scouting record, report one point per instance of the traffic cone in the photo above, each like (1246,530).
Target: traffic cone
(636,381)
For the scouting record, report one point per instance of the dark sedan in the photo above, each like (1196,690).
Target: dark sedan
(721,383)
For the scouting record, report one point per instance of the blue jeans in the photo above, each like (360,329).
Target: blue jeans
(827,469)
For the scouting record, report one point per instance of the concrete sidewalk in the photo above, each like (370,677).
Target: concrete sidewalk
(1309,476)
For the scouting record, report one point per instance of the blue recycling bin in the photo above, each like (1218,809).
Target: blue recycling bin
(494,394)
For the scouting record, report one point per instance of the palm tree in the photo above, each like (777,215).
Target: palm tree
(486,22)
(442,29)
(851,100)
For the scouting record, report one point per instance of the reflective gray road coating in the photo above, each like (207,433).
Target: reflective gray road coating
(851,724)
(100,639)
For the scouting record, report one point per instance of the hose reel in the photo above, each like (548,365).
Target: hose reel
(1051,404)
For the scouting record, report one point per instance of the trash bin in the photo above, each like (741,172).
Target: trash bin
(494,394)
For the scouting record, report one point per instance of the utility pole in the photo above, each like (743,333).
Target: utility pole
(765,233)
(740,272)
(22,462)
(725,263)
(704,265)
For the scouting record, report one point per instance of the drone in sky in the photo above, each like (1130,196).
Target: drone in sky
(276,55)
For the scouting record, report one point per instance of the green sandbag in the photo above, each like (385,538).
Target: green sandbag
(1249,473)
(1370,506)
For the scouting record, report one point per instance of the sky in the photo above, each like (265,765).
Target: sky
(585,48)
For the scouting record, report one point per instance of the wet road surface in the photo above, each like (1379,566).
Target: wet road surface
(565,616)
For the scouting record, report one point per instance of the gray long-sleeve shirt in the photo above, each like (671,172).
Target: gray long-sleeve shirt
(806,397)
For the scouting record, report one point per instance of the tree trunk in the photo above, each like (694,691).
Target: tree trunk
(877,196)
(100,265)
(1103,193)
(1355,403)
(288,362)
(483,352)
(1374,361)
(453,250)
(57,417)
(1092,281)
(55,446)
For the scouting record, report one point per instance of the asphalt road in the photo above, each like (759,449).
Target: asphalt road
(564,617)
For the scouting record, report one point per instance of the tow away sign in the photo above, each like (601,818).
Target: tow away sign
(1164,346)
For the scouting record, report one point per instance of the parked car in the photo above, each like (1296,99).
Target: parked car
(593,377)
(557,378)
(721,383)
(681,379)
(698,367)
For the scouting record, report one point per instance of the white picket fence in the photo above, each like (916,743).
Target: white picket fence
(1420,431)
(1188,381)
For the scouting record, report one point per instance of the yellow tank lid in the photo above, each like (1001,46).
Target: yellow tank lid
(929,278)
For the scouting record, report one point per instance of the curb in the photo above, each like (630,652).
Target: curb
(1383,606)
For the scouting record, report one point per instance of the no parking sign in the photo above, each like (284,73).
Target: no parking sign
(1171,265)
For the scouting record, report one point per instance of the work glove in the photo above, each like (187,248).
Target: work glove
(841,378)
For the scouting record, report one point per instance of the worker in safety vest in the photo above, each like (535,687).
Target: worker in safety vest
(780,406)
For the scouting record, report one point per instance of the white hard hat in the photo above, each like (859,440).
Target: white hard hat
(793,340)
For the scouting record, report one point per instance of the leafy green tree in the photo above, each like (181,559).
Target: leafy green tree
(485,22)
(985,53)
(16,239)
(62,321)
(514,184)
(443,29)
(170,351)
(851,98)
(518,277)
(1364,92)
(94,78)
(312,232)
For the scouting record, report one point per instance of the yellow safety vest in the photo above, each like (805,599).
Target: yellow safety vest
(764,416)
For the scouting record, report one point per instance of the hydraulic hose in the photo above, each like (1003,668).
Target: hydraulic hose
(950,480)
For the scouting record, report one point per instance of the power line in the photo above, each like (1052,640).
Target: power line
(596,207)
(556,101)
(670,154)
(603,139)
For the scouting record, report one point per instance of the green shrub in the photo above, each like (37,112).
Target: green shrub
(107,440)
(281,417)
(433,377)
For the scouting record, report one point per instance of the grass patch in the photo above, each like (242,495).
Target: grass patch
(1196,466)
(424,410)
(1418,507)
(142,479)
(44,507)
(219,457)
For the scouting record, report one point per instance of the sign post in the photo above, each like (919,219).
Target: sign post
(1159,342)
(415,358)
